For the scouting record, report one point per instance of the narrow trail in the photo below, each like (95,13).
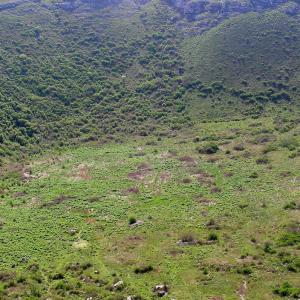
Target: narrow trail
(242,290)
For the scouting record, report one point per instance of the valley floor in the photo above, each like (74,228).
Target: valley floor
(212,213)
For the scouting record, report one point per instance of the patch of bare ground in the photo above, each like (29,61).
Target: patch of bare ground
(213,159)
(90,220)
(142,171)
(167,154)
(188,161)
(216,298)
(33,202)
(228,174)
(23,172)
(205,201)
(56,201)
(82,173)
(205,178)
(80,244)
(165,177)
(215,190)
(132,190)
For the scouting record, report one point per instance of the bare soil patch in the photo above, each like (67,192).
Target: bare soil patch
(205,178)
(165,177)
(83,173)
(188,161)
(132,190)
(142,171)
(56,201)
(205,201)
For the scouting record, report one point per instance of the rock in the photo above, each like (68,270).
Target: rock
(72,231)
(187,243)
(161,290)
(119,285)
(137,223)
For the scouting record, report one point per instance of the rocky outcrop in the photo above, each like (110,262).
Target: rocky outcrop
(191,9)
(14,4)
(71,5)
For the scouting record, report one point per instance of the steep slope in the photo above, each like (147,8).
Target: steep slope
(81,75)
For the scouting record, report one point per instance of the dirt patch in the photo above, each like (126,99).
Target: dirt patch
(132,190)
(205,178)
(136,175)
(165,177)
(56,201)
(34,202)
(167,154)
(90,220)
(215,189)
(205,201)
(134,239)
(213,159)
(6,276)
(83,173)
(142,171)
(216,298)
(228,174)
(80,244)
(188,161)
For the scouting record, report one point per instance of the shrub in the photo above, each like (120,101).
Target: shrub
(143,269)
(132,220)
(268,248)
(245,271)
(212,237)
(291,205)
(262,160)
(209,149)
(187,237)
(253,175)
(287,290)
(239,147)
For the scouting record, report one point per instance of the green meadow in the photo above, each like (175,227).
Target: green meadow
(211,212)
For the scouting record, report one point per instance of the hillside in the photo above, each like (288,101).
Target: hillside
(84,71)
(253,48)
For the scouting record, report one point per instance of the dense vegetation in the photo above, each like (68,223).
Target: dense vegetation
(70,77)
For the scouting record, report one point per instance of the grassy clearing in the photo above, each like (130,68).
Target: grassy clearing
(109,221)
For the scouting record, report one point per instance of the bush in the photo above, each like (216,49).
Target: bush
(239,147)
(212,237)
(268,248)
(262,160)
(245,271)
(209,149)
(291,205)
(287,290)
(187,238)
(143,269)
(132,220)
